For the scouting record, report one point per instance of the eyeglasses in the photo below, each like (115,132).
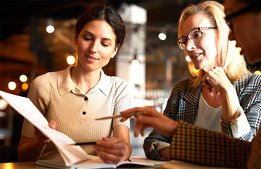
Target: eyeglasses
(194,34)
(241,11)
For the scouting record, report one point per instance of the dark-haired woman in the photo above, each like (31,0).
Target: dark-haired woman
(71,99)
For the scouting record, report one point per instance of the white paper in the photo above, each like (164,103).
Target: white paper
(71,154)
(98,163)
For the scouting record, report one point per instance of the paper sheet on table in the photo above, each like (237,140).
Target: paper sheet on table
(23,105)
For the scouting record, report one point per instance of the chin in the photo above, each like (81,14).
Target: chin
(197,67)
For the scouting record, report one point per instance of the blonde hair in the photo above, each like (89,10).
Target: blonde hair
(228,55)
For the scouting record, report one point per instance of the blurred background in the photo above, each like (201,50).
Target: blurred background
(37,36)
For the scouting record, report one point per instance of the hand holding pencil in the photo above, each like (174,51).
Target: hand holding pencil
(136,114)
(149,117)
(108,117)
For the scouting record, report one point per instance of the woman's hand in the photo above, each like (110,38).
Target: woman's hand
(149,117)
(111,149)
(39,135)
(31,148)
(217,80)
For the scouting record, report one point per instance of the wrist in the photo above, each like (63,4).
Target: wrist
(228,90)
(236,114)
(171,128)
(42,141)
(128,152)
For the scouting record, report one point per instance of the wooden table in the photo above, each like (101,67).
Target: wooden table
(172,165)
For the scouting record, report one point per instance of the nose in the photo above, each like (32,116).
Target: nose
(190,45)
(94,47)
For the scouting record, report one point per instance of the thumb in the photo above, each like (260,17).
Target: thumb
(52,124)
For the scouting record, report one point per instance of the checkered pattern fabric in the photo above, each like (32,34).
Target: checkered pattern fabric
(197,145)
(254,161)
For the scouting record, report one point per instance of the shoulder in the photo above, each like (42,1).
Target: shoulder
(183,86)
(44,83)
(184,83)
(116,81)
(114,84)
(256,79)
(249,86)
(185,91)
(251,80)
(44,78)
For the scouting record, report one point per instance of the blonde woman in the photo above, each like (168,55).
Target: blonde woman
(197,145)
(222,95)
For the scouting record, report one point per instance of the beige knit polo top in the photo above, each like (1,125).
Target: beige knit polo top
(59,99)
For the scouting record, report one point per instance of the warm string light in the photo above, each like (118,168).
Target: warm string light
(23,78)
(25,86)
(163,33)
(49,28)
(71,60)
(162,36)
(12,85)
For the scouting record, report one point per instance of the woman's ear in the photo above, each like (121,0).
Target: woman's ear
(114,53)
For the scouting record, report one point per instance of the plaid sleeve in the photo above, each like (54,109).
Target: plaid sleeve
(154,143)
(197,145)
(249,94)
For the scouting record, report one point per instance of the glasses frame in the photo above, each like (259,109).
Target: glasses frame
(248,8)
(188,38)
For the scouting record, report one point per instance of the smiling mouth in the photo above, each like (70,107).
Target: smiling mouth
(195,56)
(91,57)
(199,61)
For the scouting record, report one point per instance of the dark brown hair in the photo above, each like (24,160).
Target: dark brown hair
(102,11)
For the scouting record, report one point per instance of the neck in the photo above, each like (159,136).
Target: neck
(213,98)
(85,80)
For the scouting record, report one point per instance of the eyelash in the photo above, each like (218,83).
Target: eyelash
(90,38)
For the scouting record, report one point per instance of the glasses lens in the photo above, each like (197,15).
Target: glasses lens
(181,42)
(195,35)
